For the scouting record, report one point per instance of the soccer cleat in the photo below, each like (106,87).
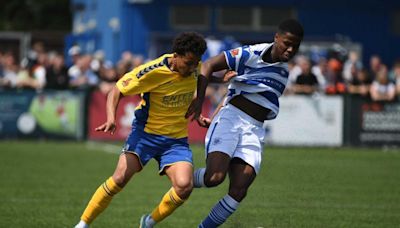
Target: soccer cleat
(143,220)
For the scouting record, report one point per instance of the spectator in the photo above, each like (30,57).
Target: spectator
(375,65)
(81,75)
(8,75)
(360,84)
(57,73)
(321,71)
(34,75)
(108,76)
(351,66)
(382,89)
(334,78)
(394,74)
(306,82)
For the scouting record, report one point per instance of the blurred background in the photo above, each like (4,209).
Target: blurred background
(58,60)
(331,157)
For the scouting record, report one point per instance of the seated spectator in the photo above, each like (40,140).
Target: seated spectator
(306,82)
(382,89)
(360,84)
(57,73)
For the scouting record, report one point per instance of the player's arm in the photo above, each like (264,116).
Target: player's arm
(213,64)
(113,98)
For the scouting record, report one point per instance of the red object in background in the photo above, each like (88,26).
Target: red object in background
(125,115)
(97,116)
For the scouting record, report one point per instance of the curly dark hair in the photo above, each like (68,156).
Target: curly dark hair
(189,42)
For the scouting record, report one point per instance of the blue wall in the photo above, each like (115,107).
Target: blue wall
(366,22)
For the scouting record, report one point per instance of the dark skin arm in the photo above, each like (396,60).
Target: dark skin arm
(112,103)
(213,64)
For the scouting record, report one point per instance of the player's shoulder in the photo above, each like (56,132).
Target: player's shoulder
(156,66)
(258,47)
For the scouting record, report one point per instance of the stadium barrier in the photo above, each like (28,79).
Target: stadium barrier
(302,121)
(48,114)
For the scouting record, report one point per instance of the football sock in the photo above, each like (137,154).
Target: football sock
(168,204)
(82,224)
(100,200)
(220,212)
(198,178)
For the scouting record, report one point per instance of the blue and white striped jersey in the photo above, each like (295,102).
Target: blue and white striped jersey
(258,81)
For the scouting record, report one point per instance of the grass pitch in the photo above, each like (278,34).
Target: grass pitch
(48,184)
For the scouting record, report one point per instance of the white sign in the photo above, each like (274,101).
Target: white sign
(307,121)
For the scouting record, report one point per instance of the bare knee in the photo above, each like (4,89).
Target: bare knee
(183,188)
(238,193)
(121,178)
(214,179)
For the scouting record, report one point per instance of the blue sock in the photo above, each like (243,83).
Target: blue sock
(198,178)
(220,212)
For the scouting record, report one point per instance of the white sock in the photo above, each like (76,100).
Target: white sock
(82,224)
(198,178)
(150,221)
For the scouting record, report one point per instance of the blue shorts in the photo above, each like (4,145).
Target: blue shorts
(166,151)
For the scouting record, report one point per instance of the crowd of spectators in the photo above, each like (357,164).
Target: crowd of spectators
(42,69)
(349,76)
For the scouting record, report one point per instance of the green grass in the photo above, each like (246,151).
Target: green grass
(47,184)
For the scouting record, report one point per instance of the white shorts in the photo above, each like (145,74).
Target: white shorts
(236,134)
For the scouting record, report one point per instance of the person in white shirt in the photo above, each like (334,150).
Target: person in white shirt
(234,141)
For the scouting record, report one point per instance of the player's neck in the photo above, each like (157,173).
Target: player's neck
(171,63)
(268,56)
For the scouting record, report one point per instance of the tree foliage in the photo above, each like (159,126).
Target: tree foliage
(22,15)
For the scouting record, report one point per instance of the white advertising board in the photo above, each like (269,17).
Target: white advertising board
(307,121)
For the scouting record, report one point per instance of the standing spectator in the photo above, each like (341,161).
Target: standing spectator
(8,75)
(321,71)
(360,84)
(81,75)
(306,82)
(394,74)
(382,89)
(375,65)
(351,66)
(57,73)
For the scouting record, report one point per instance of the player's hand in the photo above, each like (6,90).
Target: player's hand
(229,74)
(203,121)
(108,126)
(194,109)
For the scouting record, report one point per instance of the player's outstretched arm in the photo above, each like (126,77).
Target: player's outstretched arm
(112,103)
(210,66)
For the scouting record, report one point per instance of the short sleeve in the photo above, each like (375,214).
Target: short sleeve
(130,84)
(236,58)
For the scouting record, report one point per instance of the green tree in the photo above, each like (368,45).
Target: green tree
(19,15)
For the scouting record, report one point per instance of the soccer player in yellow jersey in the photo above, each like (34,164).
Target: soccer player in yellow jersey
(159,129)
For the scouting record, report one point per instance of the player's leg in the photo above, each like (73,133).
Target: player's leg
(221,141)
(217,165)
(241,175)
(180,175)
(176,162)
(128,164)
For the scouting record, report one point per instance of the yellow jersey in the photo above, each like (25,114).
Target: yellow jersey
(166,96)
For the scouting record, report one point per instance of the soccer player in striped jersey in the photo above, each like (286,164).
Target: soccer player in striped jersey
(159,129)
(234,140)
